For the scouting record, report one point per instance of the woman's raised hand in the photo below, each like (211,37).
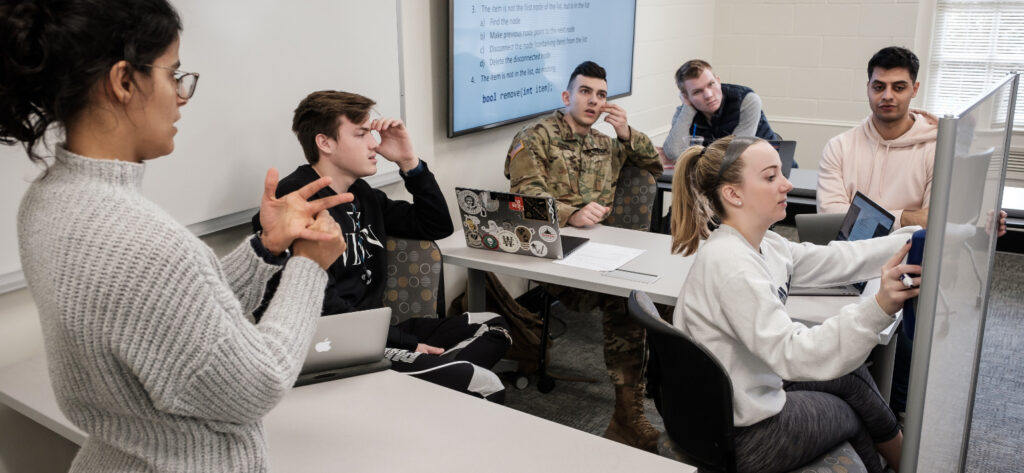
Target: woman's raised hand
(291,217)
(324,252)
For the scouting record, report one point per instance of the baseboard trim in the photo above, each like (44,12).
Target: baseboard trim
(12,281)
(814,121)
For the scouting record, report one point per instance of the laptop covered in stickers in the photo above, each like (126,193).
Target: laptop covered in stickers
(513,223)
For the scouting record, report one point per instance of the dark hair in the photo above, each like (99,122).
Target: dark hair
(895,57)
(698,175)
(691,69)
(321,112)
(56,51)
(587,69)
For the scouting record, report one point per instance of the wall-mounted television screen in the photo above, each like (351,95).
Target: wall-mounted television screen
(510,60)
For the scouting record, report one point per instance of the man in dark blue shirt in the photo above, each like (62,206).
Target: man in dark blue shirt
(713,110)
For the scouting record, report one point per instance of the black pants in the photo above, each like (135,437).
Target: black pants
(473,343)
(818,416)
(901,372)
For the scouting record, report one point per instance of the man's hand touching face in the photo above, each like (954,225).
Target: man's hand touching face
(395,145)
(617,119)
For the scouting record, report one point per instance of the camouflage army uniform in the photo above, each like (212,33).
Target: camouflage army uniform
(548,159)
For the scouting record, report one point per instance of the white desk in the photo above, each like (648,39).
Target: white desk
(387,422)
(805,186)
(657,259)
(1013,203)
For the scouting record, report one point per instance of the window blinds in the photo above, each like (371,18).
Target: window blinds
(976,43)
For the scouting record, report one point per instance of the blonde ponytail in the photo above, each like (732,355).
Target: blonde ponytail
(695,201)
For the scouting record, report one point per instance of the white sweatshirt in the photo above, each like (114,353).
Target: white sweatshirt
(733,304)
(897,173)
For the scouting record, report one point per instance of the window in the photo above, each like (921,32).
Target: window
(975,44)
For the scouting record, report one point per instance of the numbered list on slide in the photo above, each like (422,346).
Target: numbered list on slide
(513,58)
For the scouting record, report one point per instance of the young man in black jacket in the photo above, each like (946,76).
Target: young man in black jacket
(336,134)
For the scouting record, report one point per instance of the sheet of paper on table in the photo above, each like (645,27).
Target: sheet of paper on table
(600,256)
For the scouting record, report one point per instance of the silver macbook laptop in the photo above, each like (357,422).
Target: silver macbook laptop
(865,219)
(345,345)
(513,223)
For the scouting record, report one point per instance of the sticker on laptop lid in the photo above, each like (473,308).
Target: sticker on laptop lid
(525,234)
(547,233)
(515,204)
(469,202)
(508,241)
(538,248)
(473,239)
(536,208)
(489,241)
(491,201)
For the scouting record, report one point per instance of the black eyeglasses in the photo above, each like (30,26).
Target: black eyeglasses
(186,81)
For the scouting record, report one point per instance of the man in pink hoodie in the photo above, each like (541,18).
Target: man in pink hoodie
(889,156)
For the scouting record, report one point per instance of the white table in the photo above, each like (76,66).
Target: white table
(657,259)
(1013,203)
(805,186)
(386,422)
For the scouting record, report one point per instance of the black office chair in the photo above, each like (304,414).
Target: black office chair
(819,229)
(693,394)
(699,421)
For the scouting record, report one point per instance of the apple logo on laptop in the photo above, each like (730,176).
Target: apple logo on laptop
(323,346)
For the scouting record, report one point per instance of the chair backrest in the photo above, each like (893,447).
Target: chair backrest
(818,228)
(414,278)
(694,390)
(634,199)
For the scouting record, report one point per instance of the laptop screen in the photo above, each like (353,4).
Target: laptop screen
(865,220)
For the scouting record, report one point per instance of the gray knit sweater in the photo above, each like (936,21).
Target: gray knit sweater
(149,344)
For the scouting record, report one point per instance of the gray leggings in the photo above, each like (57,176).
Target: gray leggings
(818,416)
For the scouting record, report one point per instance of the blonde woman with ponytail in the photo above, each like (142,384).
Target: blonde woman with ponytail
(797,391)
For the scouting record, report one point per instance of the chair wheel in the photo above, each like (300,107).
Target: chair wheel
(521,382)
(545,384)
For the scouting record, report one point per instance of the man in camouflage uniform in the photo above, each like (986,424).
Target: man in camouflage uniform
(561,156)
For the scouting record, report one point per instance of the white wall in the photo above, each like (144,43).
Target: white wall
(807,59)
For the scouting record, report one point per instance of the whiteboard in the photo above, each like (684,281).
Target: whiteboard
(256,60)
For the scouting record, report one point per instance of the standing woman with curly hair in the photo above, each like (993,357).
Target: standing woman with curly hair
(798,391)
(150,344)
